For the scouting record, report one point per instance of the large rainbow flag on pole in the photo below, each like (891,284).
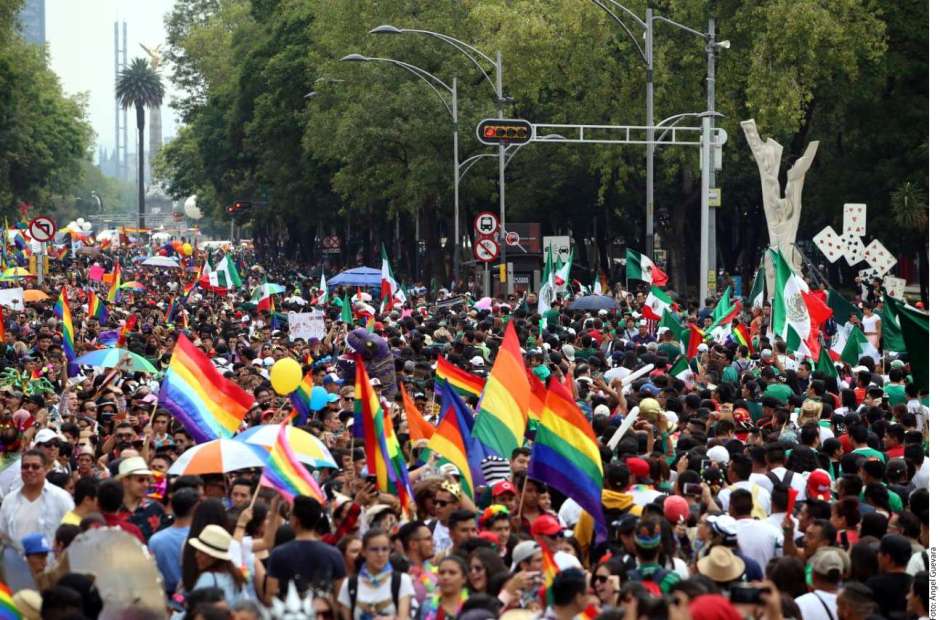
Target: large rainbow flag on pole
(207,404)
(501,419)
(384,458)
(453,440)
(285,474)
(97,308)
(300,400)
(464,383)
(62,310)
(115,283)
(565,454)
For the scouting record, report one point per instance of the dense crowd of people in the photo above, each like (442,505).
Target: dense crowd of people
(755,486)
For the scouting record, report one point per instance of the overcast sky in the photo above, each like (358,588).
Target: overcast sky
(80,34)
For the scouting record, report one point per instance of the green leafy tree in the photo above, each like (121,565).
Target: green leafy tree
(139,86)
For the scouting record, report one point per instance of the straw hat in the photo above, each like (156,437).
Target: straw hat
(721,565)
(29,603)
(214,541)
(133,466)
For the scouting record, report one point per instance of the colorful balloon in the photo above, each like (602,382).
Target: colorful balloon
(286,375)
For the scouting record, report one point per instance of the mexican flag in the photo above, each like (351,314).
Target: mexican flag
(849,344)
(756,297)
(681,370)
(797,313)
(725,310)
(892,339)
(225,275)
(640,267)
(391,293)
(598,289)
(915,326)
(825,365)
(657,304)
(322,293)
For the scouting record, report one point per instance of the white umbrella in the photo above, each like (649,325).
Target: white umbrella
(162,261)
(294,299)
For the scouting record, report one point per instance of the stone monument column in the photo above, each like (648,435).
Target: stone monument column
(156,117)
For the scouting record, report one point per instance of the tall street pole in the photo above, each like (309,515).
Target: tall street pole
(453,99)
(502,182)
(712,211)
(649,132)
(703,223)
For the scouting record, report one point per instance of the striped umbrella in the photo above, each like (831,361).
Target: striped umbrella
(218,456)
(115,357)
(308,449)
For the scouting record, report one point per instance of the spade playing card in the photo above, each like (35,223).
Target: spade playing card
(830,244)
(854,249)
(879,257)
(868,275)
(853,219)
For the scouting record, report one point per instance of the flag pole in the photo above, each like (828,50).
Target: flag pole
(521,491)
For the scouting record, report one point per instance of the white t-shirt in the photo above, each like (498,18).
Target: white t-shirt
(759,540)
(798,482)
(368,595)
(763,481)
(763,497)
(569,513)
(813,605)
(441,536)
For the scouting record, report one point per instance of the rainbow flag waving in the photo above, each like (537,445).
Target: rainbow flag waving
(300,400)
(115,283)
(64,313)
(384,458)
(501,421)
(284,473)
(453,440)
(550,570)
(8,609)
(565,454)
(207,404)
(464,383)
(97,308)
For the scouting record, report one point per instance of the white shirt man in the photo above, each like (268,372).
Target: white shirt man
(798,482)
(37,506)
(756,490)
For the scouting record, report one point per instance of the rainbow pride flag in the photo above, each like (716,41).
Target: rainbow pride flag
(171,310)
(549,570)
(64,313)
(285,474)
(207,404)
(384,458)
(8,609)
(97,308)
(565,454)
(501,419)
(115,283)
(464,383)
(300,400)
(453,440)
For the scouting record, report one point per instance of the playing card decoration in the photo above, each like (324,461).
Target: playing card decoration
(895,286)
(850,245)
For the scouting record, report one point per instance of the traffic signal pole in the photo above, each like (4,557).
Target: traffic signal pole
(453,100)
(502,182)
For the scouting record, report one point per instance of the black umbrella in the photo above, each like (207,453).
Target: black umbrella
(594,302)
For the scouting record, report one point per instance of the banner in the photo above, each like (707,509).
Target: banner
(306,325)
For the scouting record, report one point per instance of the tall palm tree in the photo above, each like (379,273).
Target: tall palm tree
(139,86)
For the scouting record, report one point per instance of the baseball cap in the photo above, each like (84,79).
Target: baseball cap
(476,360)
(828,559)
(639,468)
(35,544)
(675,508)
(44,435)
(545,525)
(649,388)
(449,469)
(502,487)
(718,454)
(523,551)
(724,525)
(819,485)
(602,409)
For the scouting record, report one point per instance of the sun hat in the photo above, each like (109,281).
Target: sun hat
(133,466)
(721,565)
(214,541)
(28,603)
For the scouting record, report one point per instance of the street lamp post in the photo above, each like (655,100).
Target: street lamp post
(475,56)
(436,84)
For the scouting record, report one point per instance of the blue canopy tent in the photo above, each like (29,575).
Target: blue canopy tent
(358,276)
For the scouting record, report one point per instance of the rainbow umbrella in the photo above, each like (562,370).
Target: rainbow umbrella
(218,456)
(16,272)
(308,449)
(115,357)
(133,285)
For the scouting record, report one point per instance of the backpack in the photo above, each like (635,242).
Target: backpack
(650,582)
(353,587)
(775,480)
(613,516)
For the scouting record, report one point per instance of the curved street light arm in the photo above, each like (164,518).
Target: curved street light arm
(628,12)
(623,26)
(465,49)
(680,26)
(424,75)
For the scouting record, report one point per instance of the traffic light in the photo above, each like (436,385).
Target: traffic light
(504,131)
(238,206)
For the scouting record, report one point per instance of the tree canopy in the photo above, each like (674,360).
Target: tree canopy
(369,152)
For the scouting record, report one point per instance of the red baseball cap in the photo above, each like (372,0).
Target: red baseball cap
(639,468)
(675,508)
(545,525)
(502,487)
(819,485)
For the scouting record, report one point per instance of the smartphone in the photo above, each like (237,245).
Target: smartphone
(372,480)
(691,488)
(706,463)
(747,595)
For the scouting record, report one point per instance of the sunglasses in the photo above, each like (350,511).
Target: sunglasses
(29,466)
(600,578)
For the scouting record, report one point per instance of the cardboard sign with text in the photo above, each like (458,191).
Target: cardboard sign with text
(306,325)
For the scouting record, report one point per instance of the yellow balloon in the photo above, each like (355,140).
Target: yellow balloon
(286,375)
(187,249)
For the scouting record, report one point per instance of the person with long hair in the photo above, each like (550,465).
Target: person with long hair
(214,565)
(846,517)
(351,548)
(485,564)
(452,579)
(375,579)
(210,511)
